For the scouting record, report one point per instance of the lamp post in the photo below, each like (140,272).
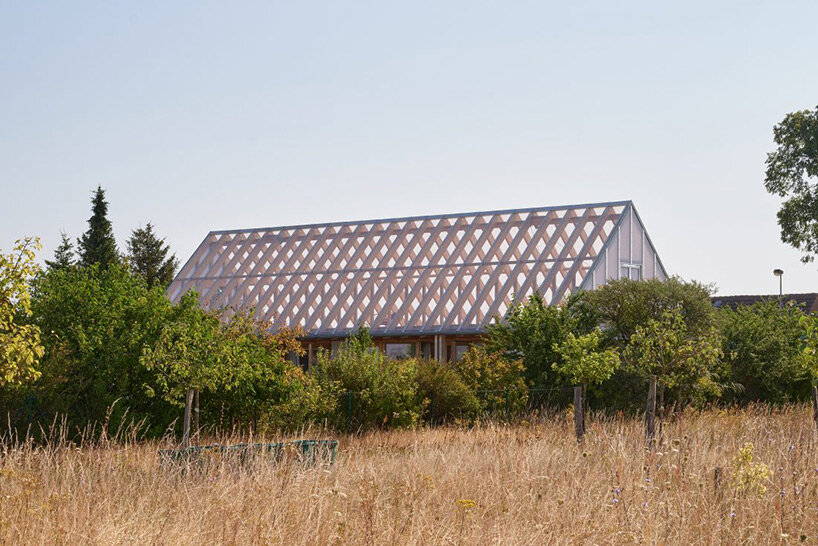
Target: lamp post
(780,274)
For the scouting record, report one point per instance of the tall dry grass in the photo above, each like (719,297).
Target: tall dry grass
(523,484)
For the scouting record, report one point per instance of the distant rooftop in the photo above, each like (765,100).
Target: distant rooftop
(808,301)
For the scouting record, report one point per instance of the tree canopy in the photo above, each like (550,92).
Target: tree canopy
(792,173)
(148,257)
(64,256)
(97,245)
(20,348)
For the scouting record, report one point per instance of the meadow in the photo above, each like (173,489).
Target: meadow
(522,483)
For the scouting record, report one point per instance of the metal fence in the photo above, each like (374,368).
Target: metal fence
(357,410)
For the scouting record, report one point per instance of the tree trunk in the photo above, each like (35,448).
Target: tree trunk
(186,427)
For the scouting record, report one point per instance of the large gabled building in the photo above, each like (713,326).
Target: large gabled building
(425,285)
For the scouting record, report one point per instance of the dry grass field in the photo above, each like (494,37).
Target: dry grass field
(523,484)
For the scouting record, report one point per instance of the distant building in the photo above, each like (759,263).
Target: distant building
(425,285)
(807,302)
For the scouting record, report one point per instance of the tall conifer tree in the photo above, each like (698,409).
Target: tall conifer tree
(148,257)
(64,256)
(97,245)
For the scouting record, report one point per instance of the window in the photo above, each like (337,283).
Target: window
(630,271)
(427,350)
(460,350)
(400,350)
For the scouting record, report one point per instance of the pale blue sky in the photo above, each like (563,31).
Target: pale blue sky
(205,115)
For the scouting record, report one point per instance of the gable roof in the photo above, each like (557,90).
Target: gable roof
(418,275)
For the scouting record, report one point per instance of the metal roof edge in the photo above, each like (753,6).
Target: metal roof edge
(426,217)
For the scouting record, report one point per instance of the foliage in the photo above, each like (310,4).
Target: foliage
(444,394)
(384,391)
(762,347)
(497,381)
(528,334)
(148,257)
(97,245)
(582,360)
(809,347)
(792,173)
(750,476)
(192,352)
(20,347)
(624,305)
(95,323)
(684,360)
(64,256)
(275,394)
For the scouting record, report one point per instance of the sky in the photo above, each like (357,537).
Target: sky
(198,116)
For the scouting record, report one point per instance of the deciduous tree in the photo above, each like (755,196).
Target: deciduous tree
(20,347)
(792,173)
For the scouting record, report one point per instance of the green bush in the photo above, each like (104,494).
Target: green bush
(444,395)
(382,391)
(497,381)
(95,323)
(762,349)
(528,335)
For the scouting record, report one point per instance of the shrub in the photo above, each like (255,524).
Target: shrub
(444,395)
(95,323)
(497,381)
(382,391)
(762,350)
(528,335)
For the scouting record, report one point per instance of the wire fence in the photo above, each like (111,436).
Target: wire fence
(359,410)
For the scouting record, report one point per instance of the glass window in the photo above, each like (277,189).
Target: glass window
(400,350)
(460,351)
(630,271)
(427,350)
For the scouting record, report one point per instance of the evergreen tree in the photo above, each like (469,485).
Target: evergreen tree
(97,245)
(148,257)
(64,256)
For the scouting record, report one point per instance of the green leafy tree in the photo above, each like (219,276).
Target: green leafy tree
(64,256)
(20,347)
(528,335)
(792,173)
(95,323)
(622,306)
(809,347)
(190,353)
(148,257)
(97,245)
(583,360)
(762,346)
(685,361)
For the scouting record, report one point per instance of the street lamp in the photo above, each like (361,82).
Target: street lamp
(780,274)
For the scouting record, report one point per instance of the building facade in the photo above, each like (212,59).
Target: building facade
(426,285)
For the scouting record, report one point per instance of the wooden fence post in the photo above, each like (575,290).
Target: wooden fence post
(196,415)
(650,413)
(188,411)
(579,414)
(717,480)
